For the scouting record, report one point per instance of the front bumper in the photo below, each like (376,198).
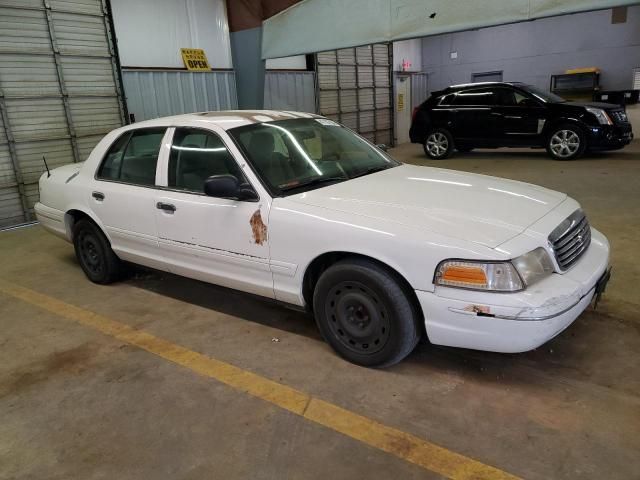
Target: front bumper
(609,136)
(515,322)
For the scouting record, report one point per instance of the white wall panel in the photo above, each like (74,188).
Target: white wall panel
(410,50)
(297,62)
(152,32)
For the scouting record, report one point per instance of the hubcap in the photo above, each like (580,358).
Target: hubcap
(565,143)
(90,253)
(437,144)
(357,318)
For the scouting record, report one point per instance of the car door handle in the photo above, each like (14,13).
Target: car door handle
(497,114)
(167,207)
(99,196)
(515,117)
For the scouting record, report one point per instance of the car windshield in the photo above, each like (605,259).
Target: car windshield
(546,97)
(293,156)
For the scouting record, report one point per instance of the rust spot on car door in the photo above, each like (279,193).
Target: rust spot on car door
(258,228)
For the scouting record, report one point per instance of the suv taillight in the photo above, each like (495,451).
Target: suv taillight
(414,112)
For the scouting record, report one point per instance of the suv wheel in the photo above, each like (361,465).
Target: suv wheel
(439,144)
(99,263)
(365,314)
(566,142)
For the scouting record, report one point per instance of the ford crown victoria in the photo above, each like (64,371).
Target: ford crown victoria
(300,209)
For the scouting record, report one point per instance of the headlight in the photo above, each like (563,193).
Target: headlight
(510,276)
(493,276)
(601,115)
(534,266)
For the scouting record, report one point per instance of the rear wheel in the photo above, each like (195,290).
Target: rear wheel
(365,314)
(98,261)
(566,142)
(439,144)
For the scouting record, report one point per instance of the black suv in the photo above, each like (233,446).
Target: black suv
(496,114)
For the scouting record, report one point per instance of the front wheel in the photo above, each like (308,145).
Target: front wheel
(439,144)
(365,314)
(566,142)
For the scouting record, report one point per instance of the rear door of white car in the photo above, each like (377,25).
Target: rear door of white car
(217,240)
(123,195)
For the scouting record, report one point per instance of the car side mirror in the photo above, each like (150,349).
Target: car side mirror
(228,186)
(383,147)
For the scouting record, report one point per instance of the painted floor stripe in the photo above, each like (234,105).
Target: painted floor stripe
(396,442)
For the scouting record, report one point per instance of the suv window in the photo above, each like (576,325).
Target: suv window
(481,97)
(508,97)
(197,155)
(133,157)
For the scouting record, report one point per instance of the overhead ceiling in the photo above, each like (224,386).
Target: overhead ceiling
(318,25)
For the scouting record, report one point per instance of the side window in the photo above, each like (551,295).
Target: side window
(522,99)
(133,157)
(475,98)
(505,97)
(197,155)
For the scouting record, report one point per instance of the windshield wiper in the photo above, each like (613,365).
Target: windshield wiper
(371,170)
(312,182)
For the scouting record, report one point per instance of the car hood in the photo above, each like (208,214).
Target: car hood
(477,208)
(604,106)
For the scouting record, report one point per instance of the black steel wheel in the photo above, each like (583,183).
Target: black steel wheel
(99,263)
(359,319)
(365,314)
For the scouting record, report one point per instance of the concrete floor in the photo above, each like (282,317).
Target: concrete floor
(75,403)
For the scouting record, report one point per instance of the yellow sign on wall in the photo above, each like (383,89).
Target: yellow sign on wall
(400,102)
(195,59)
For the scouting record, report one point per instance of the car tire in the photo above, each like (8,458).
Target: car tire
(93,251)
(365,314)
(438,144)
(566,142)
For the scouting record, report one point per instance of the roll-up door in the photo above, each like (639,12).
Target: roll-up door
(59,92)
(354,88)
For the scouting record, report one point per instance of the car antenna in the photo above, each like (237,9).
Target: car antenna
(46,166)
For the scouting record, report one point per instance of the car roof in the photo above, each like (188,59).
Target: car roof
(225,119)
(463,86)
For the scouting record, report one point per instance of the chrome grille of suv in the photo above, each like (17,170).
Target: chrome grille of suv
(570,239)
(619,116)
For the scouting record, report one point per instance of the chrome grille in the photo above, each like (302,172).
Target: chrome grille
(570,239)
(619,116)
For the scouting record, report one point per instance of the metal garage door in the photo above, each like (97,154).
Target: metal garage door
(59,92)
(354,88)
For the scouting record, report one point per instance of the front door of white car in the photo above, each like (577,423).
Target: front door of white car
(218,240)
(122,195)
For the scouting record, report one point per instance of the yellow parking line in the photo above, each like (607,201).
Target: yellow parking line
(396,442)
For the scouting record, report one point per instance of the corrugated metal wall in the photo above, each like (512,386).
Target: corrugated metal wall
(290,91)
(152,94)
(419,88)
(59,92)
(354,88)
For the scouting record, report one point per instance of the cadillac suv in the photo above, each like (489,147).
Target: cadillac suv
(497,114)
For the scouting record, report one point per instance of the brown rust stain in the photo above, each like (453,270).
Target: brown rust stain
(258,228)
(477,309)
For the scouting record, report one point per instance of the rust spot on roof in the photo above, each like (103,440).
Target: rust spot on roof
(258,228)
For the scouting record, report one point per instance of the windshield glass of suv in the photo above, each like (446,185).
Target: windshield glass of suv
(546,97)
(293,156)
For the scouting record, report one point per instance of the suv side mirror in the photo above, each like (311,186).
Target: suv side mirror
(228,186)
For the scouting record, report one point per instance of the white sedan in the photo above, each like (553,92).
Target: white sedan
(300,209)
